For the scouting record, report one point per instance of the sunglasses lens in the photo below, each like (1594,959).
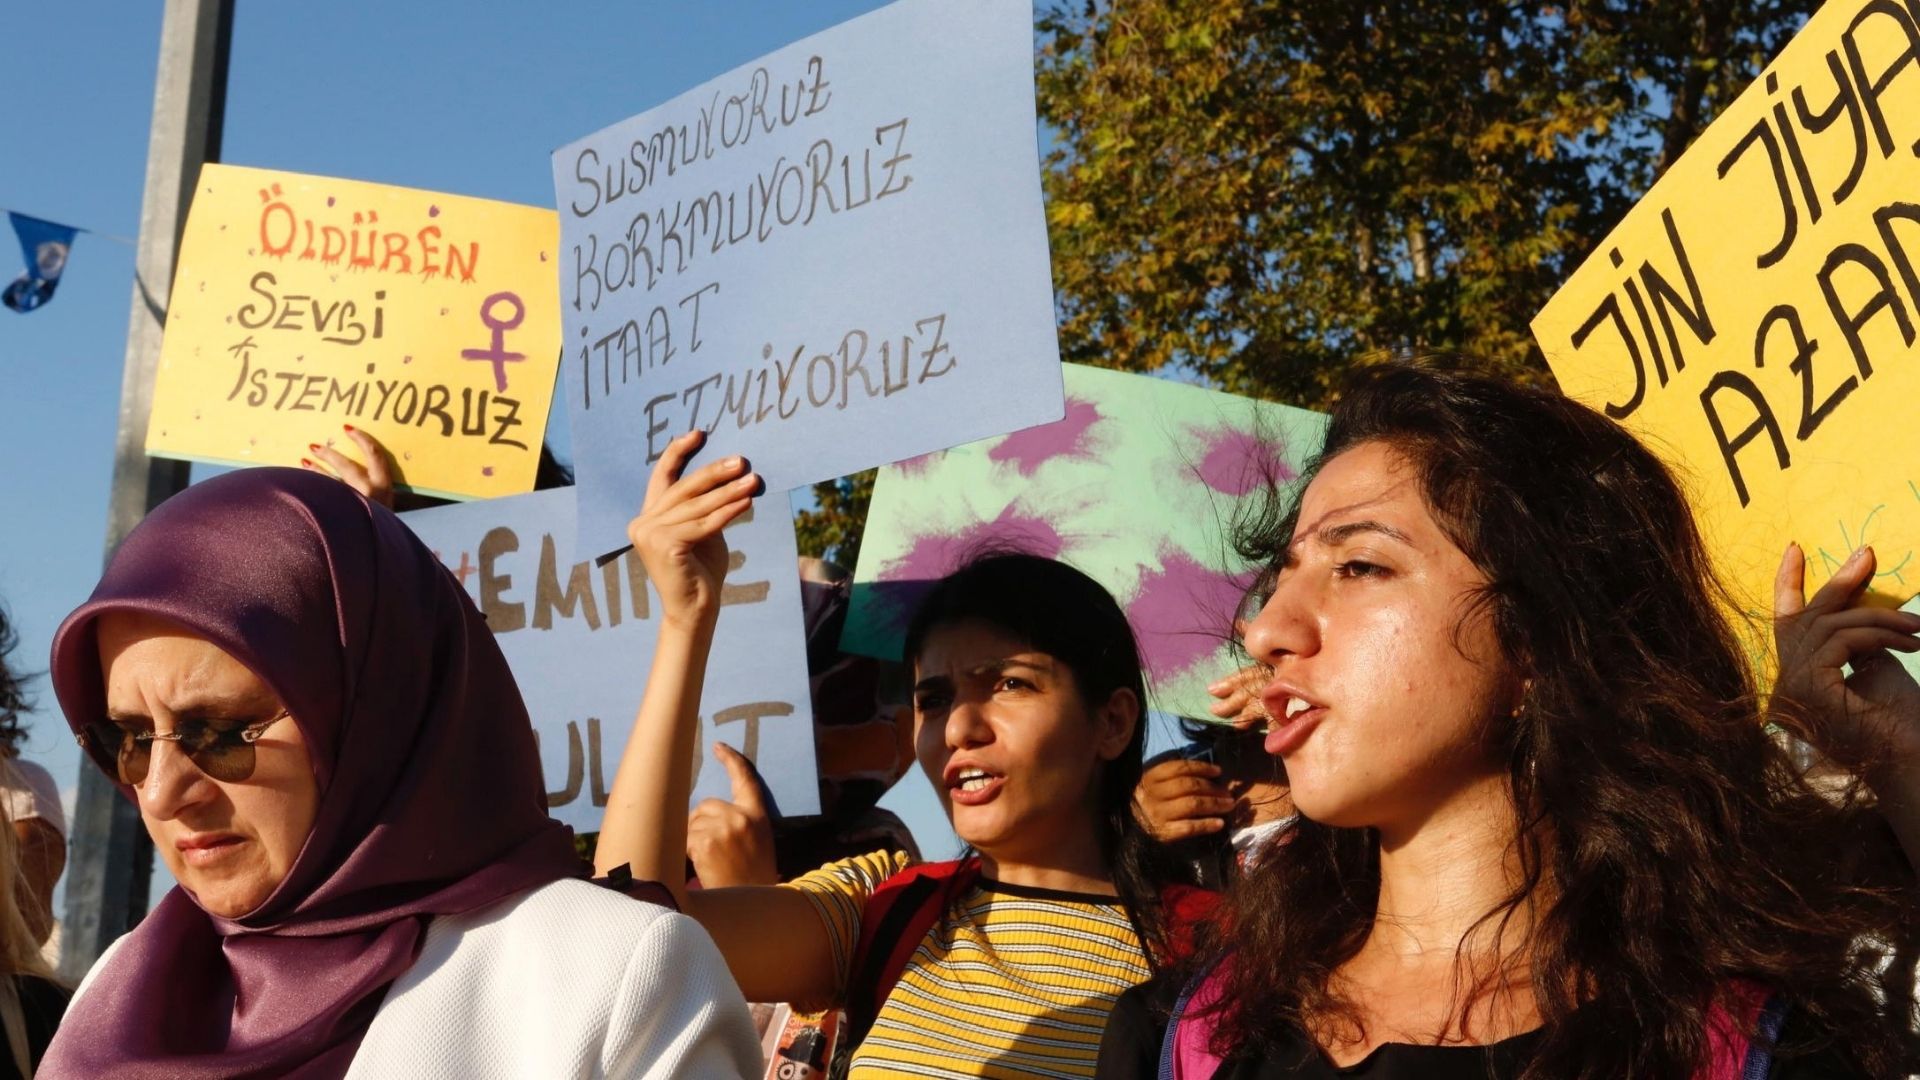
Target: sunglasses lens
(224,757)
(221,754)
(119,752)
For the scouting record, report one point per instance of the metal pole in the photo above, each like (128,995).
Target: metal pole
(112,859)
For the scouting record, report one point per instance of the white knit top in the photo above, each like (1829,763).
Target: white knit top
(569,980)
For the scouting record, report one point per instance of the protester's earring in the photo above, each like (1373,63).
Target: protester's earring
(1520,706)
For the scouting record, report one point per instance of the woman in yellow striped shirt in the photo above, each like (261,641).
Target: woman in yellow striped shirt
(1028,705)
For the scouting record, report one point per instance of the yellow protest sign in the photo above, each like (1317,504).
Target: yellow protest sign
(303,304)
(1753,319)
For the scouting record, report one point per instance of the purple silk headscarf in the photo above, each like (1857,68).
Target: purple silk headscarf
(431,801)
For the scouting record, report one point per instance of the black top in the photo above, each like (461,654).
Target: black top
(1131,1051)
(43,1004)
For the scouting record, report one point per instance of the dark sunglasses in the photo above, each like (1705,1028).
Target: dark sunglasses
(220,749)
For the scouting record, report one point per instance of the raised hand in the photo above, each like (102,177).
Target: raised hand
(1181,798)
(677,532)
(1870,718)
(731,842)
(373,479)
(1239,695)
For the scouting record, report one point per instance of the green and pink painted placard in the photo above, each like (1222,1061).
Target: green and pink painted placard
(1138,486)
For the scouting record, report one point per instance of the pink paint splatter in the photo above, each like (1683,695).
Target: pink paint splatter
(433,211)
(1238,462)
(902,582)
(935,555)
(329,200)
(1066,437)
(486,470)
(918,466)
(1183,612)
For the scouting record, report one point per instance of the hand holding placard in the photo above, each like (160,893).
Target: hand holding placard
(677,533)
(579,638)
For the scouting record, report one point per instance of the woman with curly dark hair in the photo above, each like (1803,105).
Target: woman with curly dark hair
(1545,831)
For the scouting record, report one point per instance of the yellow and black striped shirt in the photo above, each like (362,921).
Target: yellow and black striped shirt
(1012,982)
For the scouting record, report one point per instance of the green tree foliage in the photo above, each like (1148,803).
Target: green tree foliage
(1268,191)
(832,530)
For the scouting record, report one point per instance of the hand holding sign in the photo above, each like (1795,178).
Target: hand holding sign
(373,479)
(1871,716)
(731,843)
(578,637)
(678,531)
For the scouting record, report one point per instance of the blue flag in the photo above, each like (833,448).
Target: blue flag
(45,245)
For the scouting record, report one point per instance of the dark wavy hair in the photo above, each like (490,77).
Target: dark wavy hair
(14,702)
(1672,846)
(1060,611)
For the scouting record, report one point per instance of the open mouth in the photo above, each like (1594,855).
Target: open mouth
(973,780)
(1292,722)
(971,785)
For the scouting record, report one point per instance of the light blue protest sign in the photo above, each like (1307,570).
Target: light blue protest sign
(832,258)
(580,639)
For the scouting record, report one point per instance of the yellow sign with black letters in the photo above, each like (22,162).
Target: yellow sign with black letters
(1754,318)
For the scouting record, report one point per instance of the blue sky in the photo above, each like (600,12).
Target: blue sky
(467,97)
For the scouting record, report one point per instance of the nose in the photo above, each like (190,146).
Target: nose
(967,724)
(173,784)
(1286,624)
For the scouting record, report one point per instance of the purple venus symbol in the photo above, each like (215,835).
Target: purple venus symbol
(498,355)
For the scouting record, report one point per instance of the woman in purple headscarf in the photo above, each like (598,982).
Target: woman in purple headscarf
(331,756)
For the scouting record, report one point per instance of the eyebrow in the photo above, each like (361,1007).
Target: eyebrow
(991,667)
(1336,534)
(203,710)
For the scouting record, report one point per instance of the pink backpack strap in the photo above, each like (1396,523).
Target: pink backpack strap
(1187,1051)
(1732,1053)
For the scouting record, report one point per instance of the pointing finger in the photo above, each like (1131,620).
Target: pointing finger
(744,780)
(1790,583)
